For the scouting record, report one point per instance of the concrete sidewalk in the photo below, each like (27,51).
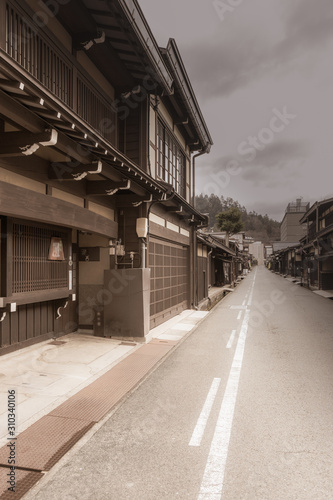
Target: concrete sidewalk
(326,294)
(56,380)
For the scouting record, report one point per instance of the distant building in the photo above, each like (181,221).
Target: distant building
(291,229)
(257,250)
(248,240)
(268,251)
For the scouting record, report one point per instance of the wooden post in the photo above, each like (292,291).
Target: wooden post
(3,25)
(6,257)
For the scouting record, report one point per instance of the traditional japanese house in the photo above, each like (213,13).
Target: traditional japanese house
(98,127)
(317,246)
(218,262)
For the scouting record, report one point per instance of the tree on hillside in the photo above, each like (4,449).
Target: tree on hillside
(209,205)
(230,221)
(230,202)
(260,227)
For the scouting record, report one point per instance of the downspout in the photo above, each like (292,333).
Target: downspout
(201,152)
(209,271)
(194,298)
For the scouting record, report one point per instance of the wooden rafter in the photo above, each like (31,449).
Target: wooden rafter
(102,188)
(71,171)
(25,143)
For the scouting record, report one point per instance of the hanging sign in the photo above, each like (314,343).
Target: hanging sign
(56,251)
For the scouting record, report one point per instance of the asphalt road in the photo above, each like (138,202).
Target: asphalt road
(243,409)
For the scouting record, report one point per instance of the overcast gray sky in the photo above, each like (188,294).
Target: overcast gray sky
(262,71)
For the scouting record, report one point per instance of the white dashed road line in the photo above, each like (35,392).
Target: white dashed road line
(212,482)
(231,340)
(204,415)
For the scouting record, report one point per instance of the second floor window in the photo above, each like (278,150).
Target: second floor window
(171,161)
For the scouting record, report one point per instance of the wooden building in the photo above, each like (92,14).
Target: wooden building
(99,129)
(317,246)
(311,259)
(218,264)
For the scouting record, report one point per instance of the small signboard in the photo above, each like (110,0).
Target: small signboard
(56,251)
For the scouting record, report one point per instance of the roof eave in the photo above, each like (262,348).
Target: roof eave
(183,83)
(141,28)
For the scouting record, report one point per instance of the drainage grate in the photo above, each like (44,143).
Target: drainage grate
(94,401)
(45,442)
(128,343)
(161,341)
(58,342)
(50,438)
(24,481)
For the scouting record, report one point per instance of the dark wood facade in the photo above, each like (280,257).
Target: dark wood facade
(80,97)
(311,260)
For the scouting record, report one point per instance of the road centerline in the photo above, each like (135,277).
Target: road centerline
(213,477)
(231,339)
(200,427)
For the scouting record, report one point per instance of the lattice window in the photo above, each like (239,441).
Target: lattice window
(32,269)
(171,161)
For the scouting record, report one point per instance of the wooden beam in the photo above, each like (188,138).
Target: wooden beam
(127,200)
(11,86)
(54,116)
(17,202)
(178,209)
(25,143)
(108,188)
(74,150)
(19,115)
(87,39)
(71,171)
(35,102)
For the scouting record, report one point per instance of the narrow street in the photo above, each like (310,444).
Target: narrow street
(241,410)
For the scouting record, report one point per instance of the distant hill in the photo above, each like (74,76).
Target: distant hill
(260,227)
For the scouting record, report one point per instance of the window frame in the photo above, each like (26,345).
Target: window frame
(8,292)
(171,159)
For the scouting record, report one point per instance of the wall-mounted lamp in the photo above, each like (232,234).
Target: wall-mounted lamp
(142,227)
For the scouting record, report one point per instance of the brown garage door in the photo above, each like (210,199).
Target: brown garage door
(170,283)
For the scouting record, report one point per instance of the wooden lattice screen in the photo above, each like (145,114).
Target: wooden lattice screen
(34,53)
(169,276)
(32,271)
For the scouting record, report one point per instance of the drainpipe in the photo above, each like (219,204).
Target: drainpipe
(209,267)
(204,150)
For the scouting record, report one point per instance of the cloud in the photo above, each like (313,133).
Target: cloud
(271,178)
(310,23)
(275,210)
(279,153)
(279,165)
(229,62)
